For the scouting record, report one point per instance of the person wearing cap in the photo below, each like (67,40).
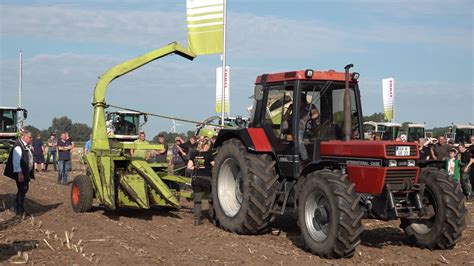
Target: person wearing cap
(200,165)
(145,154)
(52,151)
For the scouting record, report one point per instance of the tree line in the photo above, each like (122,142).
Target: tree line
(81,132)
(77,131)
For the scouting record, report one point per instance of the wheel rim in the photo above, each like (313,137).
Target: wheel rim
(426,225)
(317,216)
(75,194)
(230,187)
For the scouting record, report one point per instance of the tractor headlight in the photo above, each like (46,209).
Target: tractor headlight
(392,163)
(411,163)
(308,73)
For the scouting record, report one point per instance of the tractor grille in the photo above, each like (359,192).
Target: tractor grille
(397,179)
(390,150)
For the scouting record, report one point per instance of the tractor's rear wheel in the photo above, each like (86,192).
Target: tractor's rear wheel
(329,214)
(82,194)
(444,205)
(243,185)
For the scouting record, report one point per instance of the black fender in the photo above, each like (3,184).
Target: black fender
(319,165)
(439,164)
(254,139)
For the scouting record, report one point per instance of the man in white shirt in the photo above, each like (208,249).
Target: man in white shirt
(20,168)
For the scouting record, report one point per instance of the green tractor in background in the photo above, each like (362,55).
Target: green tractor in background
(459,133)
(415,131)
(209,127)
(113,176)
(9,127)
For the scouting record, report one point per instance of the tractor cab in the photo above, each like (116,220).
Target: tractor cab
(124,125)
(460,133)
(297,110)
(389,131)
(9,120)
(415,132)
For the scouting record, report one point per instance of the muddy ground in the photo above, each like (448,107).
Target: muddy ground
(169,237)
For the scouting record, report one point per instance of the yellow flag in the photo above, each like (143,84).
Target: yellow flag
(205,20)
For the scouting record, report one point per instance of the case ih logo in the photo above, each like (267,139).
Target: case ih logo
(391,88)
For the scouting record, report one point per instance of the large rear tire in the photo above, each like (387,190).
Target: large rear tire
(329,214)
(444,202)
(82,194)
(243,185)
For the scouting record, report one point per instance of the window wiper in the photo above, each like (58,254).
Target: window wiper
(323,90)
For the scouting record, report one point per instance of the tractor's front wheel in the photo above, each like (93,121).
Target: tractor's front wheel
(82,194)
(243,186)
(329,214)
(445,212)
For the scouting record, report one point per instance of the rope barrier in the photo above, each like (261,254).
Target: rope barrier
(164,116)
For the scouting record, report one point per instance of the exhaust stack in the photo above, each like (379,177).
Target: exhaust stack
(347,106)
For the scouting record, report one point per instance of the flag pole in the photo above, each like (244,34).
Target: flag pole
(223,66)
(20,85)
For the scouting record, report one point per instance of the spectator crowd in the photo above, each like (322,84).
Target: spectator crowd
(457,160)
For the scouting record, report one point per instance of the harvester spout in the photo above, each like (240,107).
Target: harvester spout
(347,106)
(99,134)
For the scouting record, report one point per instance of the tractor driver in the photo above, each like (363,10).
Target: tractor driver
(307,123)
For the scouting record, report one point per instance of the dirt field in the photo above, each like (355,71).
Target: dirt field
(163,236)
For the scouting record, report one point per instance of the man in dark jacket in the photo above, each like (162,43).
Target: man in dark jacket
(20,168)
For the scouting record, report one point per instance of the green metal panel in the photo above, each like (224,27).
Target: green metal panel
(136,191)
(124,199)
(175,178)
(106,177)
(137,146)
(154,181)
(156,199)
(93,172)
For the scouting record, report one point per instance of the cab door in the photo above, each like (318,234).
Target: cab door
(277,107)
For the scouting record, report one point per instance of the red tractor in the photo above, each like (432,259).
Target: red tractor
(304,152)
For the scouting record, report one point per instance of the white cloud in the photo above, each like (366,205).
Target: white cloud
(249,35)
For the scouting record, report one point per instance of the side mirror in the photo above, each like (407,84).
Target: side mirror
(145,117)
(258,94)
(25,114)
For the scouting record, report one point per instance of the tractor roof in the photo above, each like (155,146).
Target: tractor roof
(416,125)
(389,124)
(126,112)
(464,126)
(9,108)
(300,75)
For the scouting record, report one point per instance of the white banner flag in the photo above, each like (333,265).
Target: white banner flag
(388,87)
(205,19)
(219,89)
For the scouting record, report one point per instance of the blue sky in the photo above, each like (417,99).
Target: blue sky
(426,45)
